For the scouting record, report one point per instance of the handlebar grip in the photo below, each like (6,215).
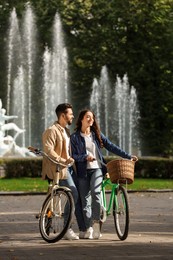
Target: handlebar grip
(33,149)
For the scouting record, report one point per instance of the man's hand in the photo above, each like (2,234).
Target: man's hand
(69,161)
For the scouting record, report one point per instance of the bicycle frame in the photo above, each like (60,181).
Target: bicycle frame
(112,196)
(116,205)
(52,190)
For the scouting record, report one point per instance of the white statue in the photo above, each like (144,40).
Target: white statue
(8,146)
(8,126)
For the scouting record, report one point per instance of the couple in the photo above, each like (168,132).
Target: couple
(84,148)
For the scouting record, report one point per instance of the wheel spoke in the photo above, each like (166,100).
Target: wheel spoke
(56,216)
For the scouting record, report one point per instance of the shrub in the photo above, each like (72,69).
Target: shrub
(21,167)
(146,167)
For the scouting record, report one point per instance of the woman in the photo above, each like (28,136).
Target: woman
(86,144)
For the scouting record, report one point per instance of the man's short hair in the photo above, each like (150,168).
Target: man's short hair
(62,109)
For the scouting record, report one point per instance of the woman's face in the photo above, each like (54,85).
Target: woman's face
(88,119)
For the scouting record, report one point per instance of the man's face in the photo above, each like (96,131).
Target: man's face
(69,116)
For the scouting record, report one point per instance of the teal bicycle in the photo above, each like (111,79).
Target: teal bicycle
(121,173)
(117,205)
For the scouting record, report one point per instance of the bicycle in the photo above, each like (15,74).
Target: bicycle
(57,210)
(118,202)
(119,205)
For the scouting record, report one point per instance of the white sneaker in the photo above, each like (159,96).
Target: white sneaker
(86,234)
(70,235)
(96,230)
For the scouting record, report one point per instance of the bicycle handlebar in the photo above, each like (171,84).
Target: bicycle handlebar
(34,150)
(38,151)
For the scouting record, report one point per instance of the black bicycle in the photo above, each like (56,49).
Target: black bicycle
(57,210)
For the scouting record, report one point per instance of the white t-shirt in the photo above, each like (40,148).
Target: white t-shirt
(91,150)
(67,138)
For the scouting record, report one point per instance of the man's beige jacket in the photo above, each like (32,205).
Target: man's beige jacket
(54,144)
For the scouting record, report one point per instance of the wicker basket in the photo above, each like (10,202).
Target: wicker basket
(121,171)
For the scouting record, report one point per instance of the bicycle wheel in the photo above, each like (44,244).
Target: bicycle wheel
(56,215)
(121,213)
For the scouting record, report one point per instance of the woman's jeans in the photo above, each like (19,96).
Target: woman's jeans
(90,194)
(71,183)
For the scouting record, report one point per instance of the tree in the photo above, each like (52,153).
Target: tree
(129,36)
(133,37)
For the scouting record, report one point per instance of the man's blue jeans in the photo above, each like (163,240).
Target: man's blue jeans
(72,183)
(89,189)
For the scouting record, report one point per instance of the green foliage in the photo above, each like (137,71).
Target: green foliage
(154,168)
(133,37)
(129,36)
(17,168)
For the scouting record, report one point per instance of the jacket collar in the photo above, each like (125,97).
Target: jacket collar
(78,132)
(62,129)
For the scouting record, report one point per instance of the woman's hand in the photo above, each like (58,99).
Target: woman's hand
(107,176)
(134,158)
(90,158)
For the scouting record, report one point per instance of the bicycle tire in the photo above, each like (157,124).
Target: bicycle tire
(53,224)
(121,213)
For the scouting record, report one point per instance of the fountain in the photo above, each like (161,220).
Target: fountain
(21,59)
(14,43)
(55,73)
(127,115)
(33,94)
(116,110)
(99,100)
(22,77)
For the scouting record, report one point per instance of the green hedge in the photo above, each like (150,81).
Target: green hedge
(31,167)
(21,167)
(154,168)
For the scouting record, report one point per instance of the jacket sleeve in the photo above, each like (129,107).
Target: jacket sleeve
(78,149)
(114,148)
(49,143)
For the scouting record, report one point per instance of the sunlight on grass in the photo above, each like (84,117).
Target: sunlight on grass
(143,184)
(149,184)
(24,184)
(39,185)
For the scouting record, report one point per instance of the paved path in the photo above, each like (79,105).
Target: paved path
(150,235)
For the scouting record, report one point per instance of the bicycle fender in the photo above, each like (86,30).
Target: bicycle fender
(64,188)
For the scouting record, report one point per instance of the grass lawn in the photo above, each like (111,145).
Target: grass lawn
(23,184)
(145,184)
(39,185)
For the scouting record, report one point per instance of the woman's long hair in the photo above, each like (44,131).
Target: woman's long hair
(95,128)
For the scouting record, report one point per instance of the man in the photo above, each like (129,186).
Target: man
(56,143)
